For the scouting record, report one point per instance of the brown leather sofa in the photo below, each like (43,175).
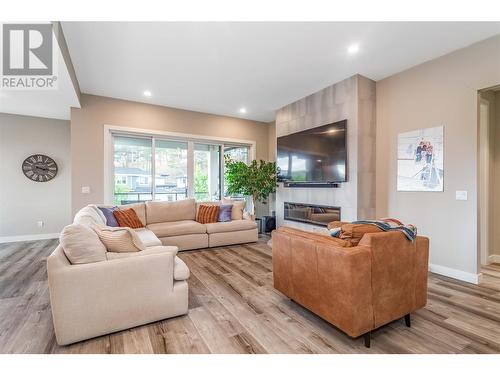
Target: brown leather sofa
(356,288)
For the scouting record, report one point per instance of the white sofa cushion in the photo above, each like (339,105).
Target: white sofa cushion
(148,251)
(181,271)
(81,244)
(90,215)
(177,228)
(160,212)
(119,239)
(147,237)
(231,226)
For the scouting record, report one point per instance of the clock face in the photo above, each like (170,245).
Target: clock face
(39,168)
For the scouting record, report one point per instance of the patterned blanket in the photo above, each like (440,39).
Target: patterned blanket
(388,225)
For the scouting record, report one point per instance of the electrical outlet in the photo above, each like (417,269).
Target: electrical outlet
(40,224)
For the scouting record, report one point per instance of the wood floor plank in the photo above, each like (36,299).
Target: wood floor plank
(233,308)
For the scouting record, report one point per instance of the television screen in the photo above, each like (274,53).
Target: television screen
(317,155)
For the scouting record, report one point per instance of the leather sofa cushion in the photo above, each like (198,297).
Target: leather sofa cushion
(160,212)
(323,238)
(147,237)
(354,232)
(181,271)
(230,226)
(177,228)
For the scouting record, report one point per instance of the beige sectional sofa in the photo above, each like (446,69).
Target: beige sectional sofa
(121,290)
(174,224)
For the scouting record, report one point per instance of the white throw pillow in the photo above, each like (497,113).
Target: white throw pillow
(81,244)
(119,239)
(238,207)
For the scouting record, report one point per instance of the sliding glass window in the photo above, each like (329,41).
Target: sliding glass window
(207,169)
(132,170)
(171,175)
(154,168)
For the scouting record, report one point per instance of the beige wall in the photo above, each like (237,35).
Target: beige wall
(440,92)
(87,135)
(23,202)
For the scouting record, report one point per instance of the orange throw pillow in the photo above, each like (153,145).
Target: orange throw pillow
(208,213)
(128,218)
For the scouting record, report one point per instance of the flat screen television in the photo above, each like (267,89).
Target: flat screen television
(314,156)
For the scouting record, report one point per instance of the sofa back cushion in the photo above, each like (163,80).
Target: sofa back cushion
(127,218)
(207,213)
(119,239)
(160,212)
(81,244)
(90,215)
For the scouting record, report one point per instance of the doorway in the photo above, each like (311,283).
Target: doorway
(489,176)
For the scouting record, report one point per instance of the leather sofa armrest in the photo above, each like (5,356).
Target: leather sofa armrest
(399,274)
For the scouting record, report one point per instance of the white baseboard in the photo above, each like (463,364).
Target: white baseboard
(493,259)
(29,237)
(473,278)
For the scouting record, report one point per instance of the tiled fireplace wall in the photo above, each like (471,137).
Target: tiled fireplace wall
(352,99)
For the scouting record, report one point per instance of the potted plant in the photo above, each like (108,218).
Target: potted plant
(257,179)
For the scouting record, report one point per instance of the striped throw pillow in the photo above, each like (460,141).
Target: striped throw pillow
(128,218)
(119,239)
(208,214)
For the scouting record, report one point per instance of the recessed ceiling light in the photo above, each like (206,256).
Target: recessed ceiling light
(243,110)
(147,93)
(353,49)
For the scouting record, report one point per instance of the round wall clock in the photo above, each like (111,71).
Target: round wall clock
(39,168)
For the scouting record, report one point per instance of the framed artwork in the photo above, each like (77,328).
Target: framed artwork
(420,160)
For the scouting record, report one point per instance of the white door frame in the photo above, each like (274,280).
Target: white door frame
(484,181)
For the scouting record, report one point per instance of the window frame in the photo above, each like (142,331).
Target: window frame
(110,131)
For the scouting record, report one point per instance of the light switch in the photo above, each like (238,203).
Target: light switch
(85,189)
(461,195)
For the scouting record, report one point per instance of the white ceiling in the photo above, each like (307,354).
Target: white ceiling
(221,67)
(55,103)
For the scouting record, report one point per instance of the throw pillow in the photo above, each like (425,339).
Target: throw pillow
(81,244)
(108,214)
(128,218)
(225,212)
(237,209)
(207,214)
(119,239)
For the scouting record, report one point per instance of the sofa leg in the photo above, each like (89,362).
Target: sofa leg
(407,320)
(367,336)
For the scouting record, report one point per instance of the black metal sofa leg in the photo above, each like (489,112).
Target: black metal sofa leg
(367,336)
(407,320)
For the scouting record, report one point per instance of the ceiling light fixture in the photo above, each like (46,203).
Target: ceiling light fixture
(353,49)
(243,110)
(147,93)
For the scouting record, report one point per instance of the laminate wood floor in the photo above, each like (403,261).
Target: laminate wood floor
(233,308)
